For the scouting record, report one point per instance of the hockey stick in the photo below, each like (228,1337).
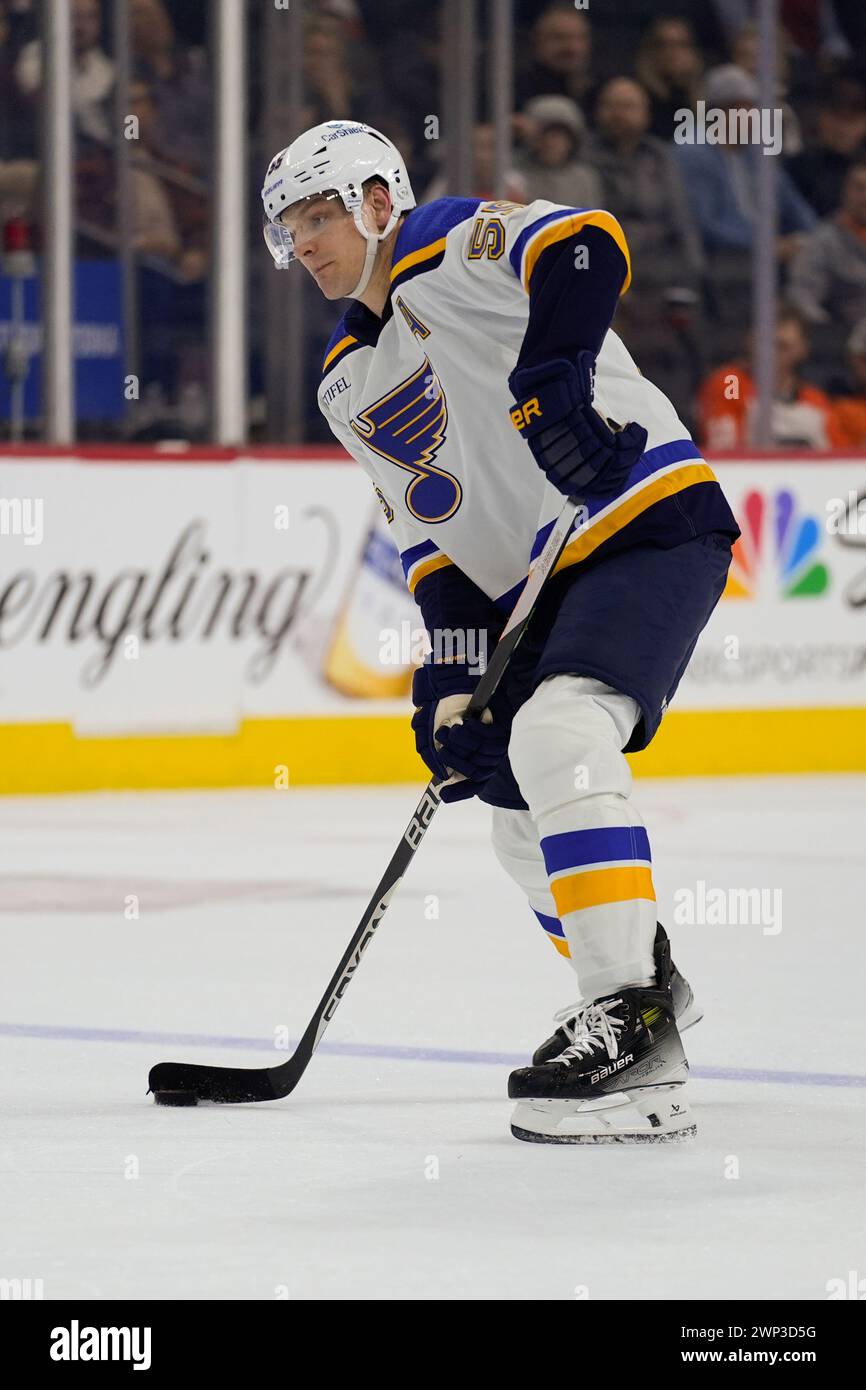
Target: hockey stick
(186,1083)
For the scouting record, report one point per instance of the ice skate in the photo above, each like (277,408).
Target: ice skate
(620,1080)
(686,1011)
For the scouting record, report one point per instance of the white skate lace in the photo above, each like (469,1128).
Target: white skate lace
(590,1028)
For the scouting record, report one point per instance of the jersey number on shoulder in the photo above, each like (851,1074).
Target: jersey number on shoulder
(487,239)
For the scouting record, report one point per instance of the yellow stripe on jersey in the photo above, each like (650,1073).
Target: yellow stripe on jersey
(568,226)
(424,253)
(595,887)
(599,531)
(336,350)
(436,562)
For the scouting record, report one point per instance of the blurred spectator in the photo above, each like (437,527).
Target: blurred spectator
(669,66)
(169,207)
(180,82)
(92,71)
(851,409)
(851,17)
(559,57)
(414,70)
(18,168)
(156,231)
(747,49)
(721,180)
(619,26)
(483,185)
(819,171)
(549,165)
(812,25)
(642,187)
(802,416)
(828,275)
(347,12)
(814,29)
(18,124)
(327,85)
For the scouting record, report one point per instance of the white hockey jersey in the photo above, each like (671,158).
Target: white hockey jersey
(421,400)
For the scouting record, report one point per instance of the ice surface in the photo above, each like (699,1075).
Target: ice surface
(391,1173)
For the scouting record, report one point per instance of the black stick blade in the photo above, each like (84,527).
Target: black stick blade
(185,1083)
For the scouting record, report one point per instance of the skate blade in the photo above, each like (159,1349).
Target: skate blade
(653,1115)
(674,1137)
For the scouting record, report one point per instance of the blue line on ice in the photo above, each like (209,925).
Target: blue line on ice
(65,1033)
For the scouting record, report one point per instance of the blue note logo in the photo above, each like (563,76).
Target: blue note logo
(408,427)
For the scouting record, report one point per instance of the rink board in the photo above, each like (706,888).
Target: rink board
(213,619)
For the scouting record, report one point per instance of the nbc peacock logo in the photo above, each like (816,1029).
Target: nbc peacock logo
(777,550)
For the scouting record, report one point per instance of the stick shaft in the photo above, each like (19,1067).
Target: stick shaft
(235,1085)
(429,803)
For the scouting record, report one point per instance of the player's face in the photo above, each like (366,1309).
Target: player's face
(327,244)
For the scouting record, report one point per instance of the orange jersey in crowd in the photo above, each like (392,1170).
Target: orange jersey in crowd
(850,412)
(726,413)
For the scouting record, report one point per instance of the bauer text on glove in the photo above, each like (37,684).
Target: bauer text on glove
(572,444)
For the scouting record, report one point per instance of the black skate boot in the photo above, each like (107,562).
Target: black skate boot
(621,1079)
(669,978)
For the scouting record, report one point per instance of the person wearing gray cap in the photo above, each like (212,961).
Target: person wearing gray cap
(721,178)
(728,86)
(555,129)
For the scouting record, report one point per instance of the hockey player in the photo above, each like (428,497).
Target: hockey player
(476,379)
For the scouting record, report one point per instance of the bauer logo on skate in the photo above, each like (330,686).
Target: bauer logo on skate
(602,1072)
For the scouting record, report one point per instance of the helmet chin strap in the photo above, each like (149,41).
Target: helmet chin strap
(373,240)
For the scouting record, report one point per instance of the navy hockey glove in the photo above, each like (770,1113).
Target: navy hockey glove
(572,444)
(473,748)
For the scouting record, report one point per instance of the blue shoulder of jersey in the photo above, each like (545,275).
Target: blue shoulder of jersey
(419,247)
(420,243)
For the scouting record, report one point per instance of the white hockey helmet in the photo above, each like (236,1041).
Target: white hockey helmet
(335,158)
